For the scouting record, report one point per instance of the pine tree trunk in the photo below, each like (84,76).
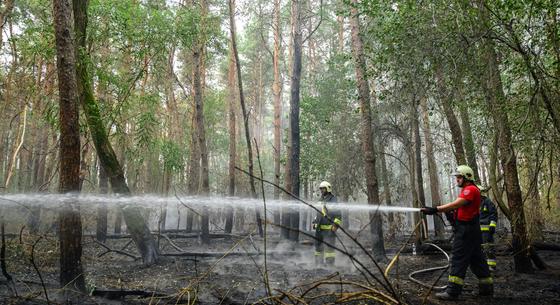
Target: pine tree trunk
(232,138)
(277,98)
(70,223)
(367,135)
(194,171)
(244,111)
(294,115)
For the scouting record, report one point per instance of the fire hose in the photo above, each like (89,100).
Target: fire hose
(412,274)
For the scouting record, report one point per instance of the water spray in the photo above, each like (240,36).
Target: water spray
(56,200)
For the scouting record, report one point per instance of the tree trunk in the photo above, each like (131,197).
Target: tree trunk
(497,191)
(496,100)
(277,98)
(439,226)
(536,219)
(244,111)
(470,148)
(386,186)
(70,223)
(232,139)
(446,101)
(132,215)
(418,162)
(199,113)
(415,200)
(17,149)
(194,171)
(198,59)
(367,133)
(294,114)
(101,229)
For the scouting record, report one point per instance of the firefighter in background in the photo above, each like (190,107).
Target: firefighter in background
(325,225)
(466,248)
(488,221)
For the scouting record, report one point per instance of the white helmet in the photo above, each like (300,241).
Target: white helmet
(326,185)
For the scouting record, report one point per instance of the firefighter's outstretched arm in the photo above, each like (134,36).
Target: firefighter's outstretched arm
(445,208)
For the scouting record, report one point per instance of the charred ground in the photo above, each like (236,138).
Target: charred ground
(224,273)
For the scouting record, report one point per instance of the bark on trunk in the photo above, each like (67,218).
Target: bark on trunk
(277,98)
(70,225)
(232,139)
(386,186)
(294,138)
(446,103)
(132,215)
(198,59)
(469,141)
(101,228)
(242,97)
(496,100)
(367,133)
(418,162)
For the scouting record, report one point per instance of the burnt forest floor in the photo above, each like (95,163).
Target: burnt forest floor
(237,278)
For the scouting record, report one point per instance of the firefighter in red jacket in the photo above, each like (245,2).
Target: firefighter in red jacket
(466,248)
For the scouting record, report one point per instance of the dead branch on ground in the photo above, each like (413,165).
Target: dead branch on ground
(109,250)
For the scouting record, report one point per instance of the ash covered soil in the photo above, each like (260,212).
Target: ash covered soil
(237,278)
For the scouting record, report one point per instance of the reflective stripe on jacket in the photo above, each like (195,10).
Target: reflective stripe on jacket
(330,215)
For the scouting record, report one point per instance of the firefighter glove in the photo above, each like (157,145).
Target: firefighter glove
(429,210)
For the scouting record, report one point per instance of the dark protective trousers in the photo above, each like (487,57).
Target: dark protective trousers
(322,250)
(488,248)
(467,251)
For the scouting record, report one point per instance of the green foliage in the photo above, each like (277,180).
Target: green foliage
(172,156)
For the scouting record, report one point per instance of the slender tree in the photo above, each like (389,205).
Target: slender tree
(132,215)
(432,167)
(70,223)
(243,110)
(277,97)
(232,136)
(496,101)
(367,134)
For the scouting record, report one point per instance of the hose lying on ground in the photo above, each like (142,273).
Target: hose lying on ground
(412,274)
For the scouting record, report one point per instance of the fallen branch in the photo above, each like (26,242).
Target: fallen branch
(546,246)
(172,243)
(109,250)
(229,253)
(32,260)
(120,294)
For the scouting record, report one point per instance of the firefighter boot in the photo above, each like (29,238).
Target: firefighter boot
(454,288)
(329,257)
(447,296)
(319,260)
(486,286)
